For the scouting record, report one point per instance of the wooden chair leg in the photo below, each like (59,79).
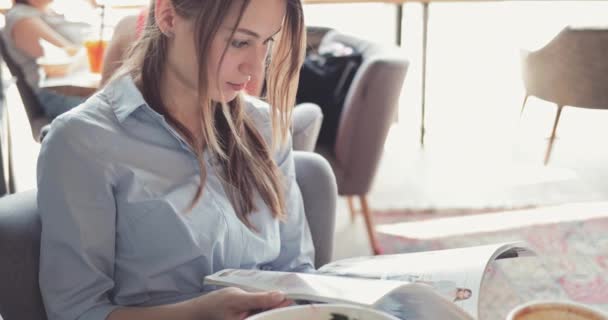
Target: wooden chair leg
(552,138)
(523,105)
(369,224)
(351,207)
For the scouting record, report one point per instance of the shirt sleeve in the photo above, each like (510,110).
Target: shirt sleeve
(78,213)
(297,250)
(22,11)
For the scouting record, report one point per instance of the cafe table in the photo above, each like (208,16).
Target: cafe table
(81,83)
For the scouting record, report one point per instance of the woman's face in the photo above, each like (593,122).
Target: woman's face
(246,51)
(462,294)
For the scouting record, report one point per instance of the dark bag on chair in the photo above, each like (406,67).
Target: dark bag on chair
(325,80)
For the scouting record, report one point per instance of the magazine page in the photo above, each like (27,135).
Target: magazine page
(455,274)
(419,301)
(305,286)
(404,300)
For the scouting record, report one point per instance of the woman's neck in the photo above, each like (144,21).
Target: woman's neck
(179,97)
(181,101)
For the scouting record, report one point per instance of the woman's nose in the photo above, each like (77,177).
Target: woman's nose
(254,65)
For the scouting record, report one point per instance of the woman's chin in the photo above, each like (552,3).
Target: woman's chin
(227,97)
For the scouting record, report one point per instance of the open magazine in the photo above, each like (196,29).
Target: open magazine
(442,284)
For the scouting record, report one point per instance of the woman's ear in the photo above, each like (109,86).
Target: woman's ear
(164,14)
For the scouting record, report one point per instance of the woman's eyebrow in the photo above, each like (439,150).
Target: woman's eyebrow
(253,33)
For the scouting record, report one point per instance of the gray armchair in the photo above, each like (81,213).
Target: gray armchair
(20,236)
(319,191)
(571,70)
(369,110)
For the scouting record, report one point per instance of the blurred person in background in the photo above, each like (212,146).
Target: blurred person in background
(28,23)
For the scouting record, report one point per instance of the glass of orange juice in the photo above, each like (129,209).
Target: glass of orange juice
(95,52)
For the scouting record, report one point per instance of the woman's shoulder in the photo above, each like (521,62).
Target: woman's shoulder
(87,125)
(260,113)
(257,110)
(21,11)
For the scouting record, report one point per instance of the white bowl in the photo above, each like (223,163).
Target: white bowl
(328,311)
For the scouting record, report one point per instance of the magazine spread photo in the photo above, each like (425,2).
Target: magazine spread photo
(441,284)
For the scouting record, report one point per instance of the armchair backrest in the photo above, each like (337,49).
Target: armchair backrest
(319,192)
(20,250)
(20,229)
(571,70)
(369,110)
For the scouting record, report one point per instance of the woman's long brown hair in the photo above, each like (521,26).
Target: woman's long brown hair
(228,133)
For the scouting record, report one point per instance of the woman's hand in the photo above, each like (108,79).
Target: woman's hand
(234,303)
(224,304)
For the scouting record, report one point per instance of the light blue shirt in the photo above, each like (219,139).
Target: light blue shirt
(114,181)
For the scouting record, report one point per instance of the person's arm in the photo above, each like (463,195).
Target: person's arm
(297,251)
(223,304)
(27,32)
(123,37)
(78,214)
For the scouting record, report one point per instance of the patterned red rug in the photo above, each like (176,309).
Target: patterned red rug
(572,260)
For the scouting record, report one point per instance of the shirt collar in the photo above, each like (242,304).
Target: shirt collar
(124,97)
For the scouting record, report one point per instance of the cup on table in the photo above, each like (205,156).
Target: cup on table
(555,310)
(95,52)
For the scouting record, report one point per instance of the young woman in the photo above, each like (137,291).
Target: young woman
(28,22)
(170,173)
(306,118)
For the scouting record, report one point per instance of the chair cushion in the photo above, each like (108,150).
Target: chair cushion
(20,250)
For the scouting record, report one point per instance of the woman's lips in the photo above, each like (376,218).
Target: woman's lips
(237,87)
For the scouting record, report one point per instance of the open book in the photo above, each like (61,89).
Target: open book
(427,285)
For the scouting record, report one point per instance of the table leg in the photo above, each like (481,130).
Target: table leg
(425,31)
(399,24)
(398,35)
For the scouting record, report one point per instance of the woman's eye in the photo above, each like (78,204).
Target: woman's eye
(269,41)
(239,44)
